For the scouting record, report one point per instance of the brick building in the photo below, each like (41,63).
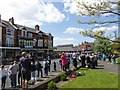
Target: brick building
(16,38)
(86,46)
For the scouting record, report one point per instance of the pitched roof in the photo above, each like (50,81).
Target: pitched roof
(24,27)
(20,27)
(62,49)
(6,24)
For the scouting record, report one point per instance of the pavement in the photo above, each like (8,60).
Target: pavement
(107,67)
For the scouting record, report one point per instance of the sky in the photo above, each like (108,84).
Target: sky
(58,17)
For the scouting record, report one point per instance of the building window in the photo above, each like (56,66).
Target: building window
(45,43)
(30,35)
(9,37)
(50,43)
(24,33)
(40,42)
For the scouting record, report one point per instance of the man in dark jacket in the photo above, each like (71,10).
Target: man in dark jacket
(39,68)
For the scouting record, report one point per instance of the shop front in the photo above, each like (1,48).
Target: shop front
(9,54)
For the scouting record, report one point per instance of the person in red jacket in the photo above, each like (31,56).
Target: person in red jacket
(64,61)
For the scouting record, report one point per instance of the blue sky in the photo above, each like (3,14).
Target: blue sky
(57,17)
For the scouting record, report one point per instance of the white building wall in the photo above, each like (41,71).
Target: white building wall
(0,32)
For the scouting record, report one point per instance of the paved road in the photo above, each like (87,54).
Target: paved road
(104,66)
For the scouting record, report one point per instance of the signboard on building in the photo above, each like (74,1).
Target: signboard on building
(28,46)
(9,37)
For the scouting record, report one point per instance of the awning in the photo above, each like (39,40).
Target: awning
(9,47)
(34,49)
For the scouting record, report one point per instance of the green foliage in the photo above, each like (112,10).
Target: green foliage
(63,77)
(116,47)
(102,45)
(96,10)
(52,85)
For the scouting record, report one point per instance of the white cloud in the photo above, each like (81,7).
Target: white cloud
(72,5)
(107,29)
(73,30)
(61,41)
(27,12)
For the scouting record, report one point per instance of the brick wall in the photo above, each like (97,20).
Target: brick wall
(3,36)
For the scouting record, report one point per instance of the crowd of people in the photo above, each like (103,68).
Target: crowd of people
(23,70)
(89,60)
(20,72)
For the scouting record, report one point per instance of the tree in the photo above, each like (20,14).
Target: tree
(102,46)
(116,46)
(97,9)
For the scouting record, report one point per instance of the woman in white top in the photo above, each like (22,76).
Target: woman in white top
(3,76)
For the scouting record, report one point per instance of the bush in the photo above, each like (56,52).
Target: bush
(52,85)
(63,77)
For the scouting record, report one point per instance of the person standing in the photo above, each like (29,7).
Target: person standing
(83,60)
(109,58)
(13,69)
(39,68)
(49,64)
(92,59)
(60,63)
(54,64)
(64,61)
(26,69)
(104,56)
(3,76)
(33,69)
(19,82)
(113,59)
(74,57)
(88,60)
(68,59)
(45,66)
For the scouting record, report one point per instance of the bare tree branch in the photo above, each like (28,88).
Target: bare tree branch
(102,38)
(99,22)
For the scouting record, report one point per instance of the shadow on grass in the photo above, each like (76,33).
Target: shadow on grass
(98,68)
(84,68)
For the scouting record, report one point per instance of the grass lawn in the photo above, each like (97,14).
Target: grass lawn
(118,61)
(93,79)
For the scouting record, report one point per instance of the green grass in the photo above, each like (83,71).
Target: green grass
(118,60)
(93,79)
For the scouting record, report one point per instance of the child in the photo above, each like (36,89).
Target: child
(54,64)
(60,62)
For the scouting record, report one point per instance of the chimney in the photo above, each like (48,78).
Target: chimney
(37,28)
(11,20)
